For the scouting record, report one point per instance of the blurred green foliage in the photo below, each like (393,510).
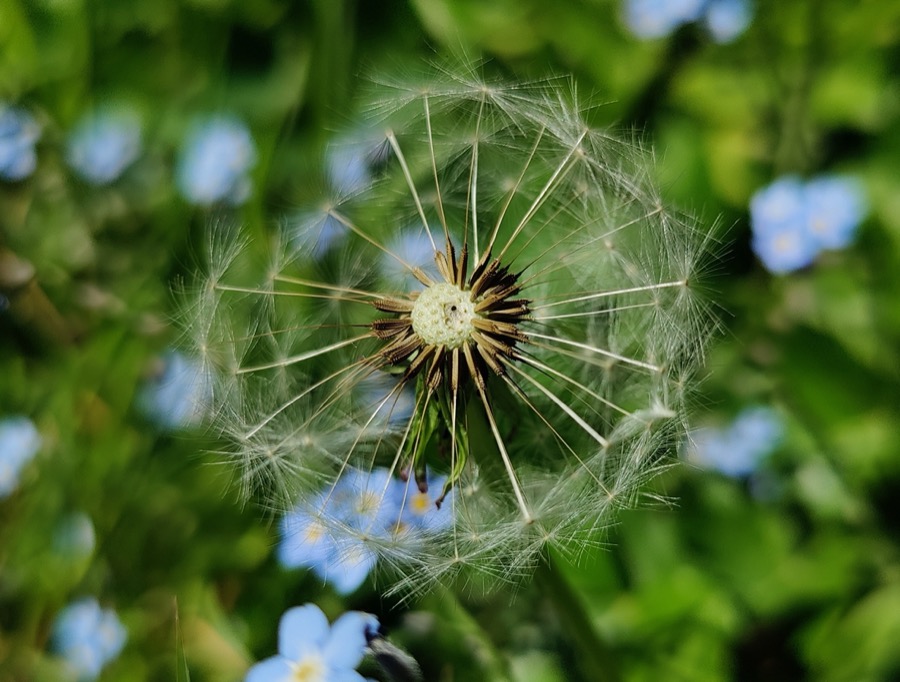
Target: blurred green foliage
(794,574)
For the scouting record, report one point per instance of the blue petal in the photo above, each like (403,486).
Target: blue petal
(350,565)
(302,629)
(346,676)
(347,642)
(275,669)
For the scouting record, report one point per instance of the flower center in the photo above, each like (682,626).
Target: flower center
(308,669)
(442,315)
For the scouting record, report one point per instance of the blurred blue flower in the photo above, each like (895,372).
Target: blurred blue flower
(75,536)
(19,132)
(307,542)
(216,161)
(363,506)
(378,393)
(836,207)
(179,395)
(727,19)
(412,246)
(351,161)
(88,637)
(19,443)
(793,221)
(311,651)
(738,449)
(364,502)
(102,145)
(651,19)
(316,232)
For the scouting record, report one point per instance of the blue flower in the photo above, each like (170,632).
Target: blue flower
(793,221)
(311,651)
(215,163)
(351,162)
(316,232)
(836,206)
(19,443)
(19,132)
(414,247)
(333,534)
(365,503)
(379,395)
(307,541)
(179,395)
(88,637)
(103,145)
(738,449)
(650,19)
(727,19)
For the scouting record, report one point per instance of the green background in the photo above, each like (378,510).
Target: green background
(799,582)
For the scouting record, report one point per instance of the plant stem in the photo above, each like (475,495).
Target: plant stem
(595,658)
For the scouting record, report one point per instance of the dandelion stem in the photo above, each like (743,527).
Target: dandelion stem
(595,659)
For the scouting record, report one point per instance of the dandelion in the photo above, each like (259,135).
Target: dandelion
(311,651)
(216,161)
(102,145)
(19,132)
(88,637)
(19,443)
(549,345)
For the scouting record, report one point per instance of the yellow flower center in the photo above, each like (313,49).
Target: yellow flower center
(309,669)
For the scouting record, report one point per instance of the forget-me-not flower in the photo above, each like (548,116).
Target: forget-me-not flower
(309,650)
(836,206)
(374,506)
(352,161)
(316,232)
(793,221)
(178,396)
(651,19)
(412,246)
(19,132)
(88,637)
(365,502)
(737,449)
(727,19)
(103,144)
(19,443)
(216,161)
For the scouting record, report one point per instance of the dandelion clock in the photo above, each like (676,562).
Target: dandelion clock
(533,372)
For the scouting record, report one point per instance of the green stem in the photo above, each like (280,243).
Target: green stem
(595,659)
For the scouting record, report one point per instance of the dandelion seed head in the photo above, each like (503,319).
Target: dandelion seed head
(494,363)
